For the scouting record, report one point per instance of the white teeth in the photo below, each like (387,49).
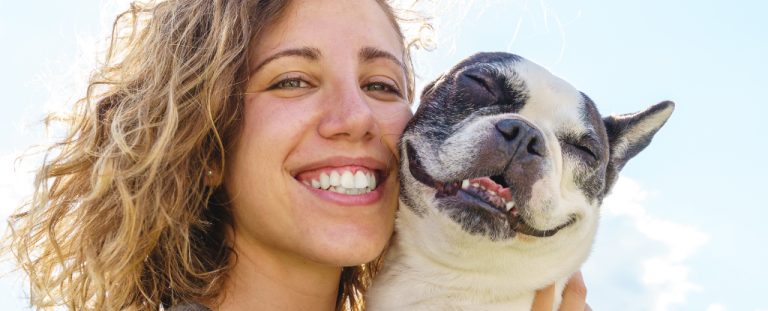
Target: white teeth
(347,180)
(465,184)
(325,181)
(371,181)
(509,205)
(335,178)
(361,181)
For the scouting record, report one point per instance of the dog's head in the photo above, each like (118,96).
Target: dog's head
(501,147)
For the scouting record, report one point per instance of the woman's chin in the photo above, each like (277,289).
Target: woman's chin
(351,247)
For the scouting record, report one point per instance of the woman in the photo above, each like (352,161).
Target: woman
(237,155)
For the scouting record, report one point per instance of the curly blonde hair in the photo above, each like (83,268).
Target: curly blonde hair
(121,217)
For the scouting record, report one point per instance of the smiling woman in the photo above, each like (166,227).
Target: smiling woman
(188,171)
(316,112)
(232,155)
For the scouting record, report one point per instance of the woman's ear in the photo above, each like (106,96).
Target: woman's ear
(213,177)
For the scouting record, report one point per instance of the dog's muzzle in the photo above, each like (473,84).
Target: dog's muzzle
(517,143)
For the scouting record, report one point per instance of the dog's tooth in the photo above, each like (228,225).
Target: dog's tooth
(509,205)
(325,181)
(476,185)
(334,179)
(361,181)
(465,184)
(491,192)
(348,180)
(315,184)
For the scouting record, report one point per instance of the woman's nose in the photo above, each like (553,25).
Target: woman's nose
(347,114)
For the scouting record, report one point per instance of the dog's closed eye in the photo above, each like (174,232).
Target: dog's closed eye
(585,146)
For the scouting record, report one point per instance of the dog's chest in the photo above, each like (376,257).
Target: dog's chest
(467,278)
(413,284)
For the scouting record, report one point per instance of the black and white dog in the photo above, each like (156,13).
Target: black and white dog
(504,167)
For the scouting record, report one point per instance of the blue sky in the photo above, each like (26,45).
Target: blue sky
(684,229)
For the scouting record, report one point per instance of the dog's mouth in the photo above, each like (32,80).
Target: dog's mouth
(490,194)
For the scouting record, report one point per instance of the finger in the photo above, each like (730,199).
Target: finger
(575,294)
(544,299)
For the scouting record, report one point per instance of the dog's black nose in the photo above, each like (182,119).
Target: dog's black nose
(509,128)
(520,138)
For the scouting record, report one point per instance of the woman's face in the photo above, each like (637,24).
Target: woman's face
(313,172)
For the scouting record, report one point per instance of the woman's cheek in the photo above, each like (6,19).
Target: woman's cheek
(393,122)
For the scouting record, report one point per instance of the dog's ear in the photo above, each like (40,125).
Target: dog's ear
(628,134)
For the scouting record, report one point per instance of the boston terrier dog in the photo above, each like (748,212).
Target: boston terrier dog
(503,170)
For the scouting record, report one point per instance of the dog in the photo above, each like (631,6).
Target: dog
(503,169)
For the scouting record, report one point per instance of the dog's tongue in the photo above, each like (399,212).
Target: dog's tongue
(489,184)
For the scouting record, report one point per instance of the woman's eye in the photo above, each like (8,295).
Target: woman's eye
(290,83)
(382,87)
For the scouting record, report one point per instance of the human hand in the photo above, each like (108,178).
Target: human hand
(574,296)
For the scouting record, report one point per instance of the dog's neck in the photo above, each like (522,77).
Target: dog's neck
(437,257)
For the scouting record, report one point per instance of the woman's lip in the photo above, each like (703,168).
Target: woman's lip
(347,199)
(340,162)
(381,167)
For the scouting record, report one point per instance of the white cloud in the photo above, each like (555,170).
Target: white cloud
(653,252)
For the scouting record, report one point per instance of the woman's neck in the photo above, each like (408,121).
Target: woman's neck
(269,279)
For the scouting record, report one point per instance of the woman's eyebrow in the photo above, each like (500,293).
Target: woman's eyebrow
(368,54)
(311,54)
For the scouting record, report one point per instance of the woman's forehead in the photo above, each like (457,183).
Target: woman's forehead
(330,26)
